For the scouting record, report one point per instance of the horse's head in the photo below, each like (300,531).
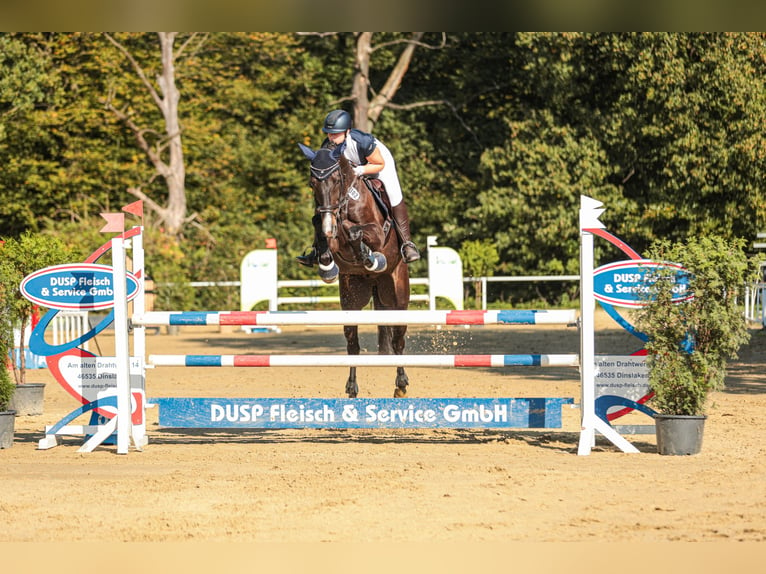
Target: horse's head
(329,170)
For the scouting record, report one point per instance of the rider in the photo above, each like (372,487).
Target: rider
(373,159)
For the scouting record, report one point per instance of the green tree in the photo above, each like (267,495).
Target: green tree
(479,260)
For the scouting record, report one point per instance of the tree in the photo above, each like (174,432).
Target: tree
(479,260)
(165,96)
(368,101)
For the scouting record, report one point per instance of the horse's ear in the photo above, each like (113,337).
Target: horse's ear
(307,151)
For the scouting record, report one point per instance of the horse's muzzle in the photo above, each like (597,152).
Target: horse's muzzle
(329,226)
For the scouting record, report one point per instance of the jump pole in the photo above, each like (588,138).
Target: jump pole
(370,317)
(485,361)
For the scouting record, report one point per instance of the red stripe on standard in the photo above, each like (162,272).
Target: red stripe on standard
(252,360)
(239,318)
(473,360)
(466,317)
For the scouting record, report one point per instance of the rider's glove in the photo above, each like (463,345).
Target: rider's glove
(358,170)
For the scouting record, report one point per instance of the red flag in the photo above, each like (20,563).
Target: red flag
(136,208)
(115,223)
(271,243)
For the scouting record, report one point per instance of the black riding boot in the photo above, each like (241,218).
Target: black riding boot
(410,253)
(312,257)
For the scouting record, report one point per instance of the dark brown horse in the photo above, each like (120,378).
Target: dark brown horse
(356,241)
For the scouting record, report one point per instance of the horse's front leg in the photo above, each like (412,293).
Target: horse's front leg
(372,260)
(351,333)
(324,227)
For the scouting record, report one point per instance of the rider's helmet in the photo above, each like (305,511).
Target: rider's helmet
(337,121)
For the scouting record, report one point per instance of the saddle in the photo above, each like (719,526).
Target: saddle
(378,191)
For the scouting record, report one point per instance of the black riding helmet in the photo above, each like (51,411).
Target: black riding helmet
(337,121)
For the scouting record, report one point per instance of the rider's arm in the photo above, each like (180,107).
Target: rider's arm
(375,163)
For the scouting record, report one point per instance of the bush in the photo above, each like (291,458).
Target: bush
(690,342)
(18,258)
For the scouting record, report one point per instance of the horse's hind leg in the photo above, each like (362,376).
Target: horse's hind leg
(355,292)
(352,346)
(391,342)
(352,389)
(401,383)
(397,341)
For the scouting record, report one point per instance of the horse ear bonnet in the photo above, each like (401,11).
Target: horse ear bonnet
(324,163)
(307,151)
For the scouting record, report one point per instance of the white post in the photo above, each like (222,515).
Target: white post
(139,303)
(138,430)
(590,210)
(587,344)
(431,242)
(121,345)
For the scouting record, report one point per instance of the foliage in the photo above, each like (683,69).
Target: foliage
(479,259)
(18,258)
(690,342)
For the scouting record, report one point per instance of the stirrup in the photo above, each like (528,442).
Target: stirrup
(410,252)
(308,259)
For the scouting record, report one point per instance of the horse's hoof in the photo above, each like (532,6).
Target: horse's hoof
(400,393)
(376,263)
(329,273)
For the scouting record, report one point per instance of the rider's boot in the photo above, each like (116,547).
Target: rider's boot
(410,253)
(309,259)
(312,257)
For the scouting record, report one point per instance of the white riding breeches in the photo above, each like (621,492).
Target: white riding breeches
(389,177)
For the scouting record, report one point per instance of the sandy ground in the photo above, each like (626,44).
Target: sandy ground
(390,486)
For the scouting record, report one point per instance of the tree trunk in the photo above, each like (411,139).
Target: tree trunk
(174,172)
(172,215)
(360,87)
(366,112)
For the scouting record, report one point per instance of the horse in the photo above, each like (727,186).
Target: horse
(358,246)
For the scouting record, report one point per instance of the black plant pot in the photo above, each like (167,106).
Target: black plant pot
(679,434)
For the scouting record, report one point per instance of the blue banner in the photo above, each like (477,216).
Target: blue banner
(360,413)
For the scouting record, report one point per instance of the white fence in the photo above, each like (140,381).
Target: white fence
(755,310)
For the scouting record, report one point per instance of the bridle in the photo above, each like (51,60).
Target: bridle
(323,173)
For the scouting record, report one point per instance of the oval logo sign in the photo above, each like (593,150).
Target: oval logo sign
(74,286)
(622,283)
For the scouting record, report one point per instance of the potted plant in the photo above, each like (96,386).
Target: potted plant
(694,326)
(20,256)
